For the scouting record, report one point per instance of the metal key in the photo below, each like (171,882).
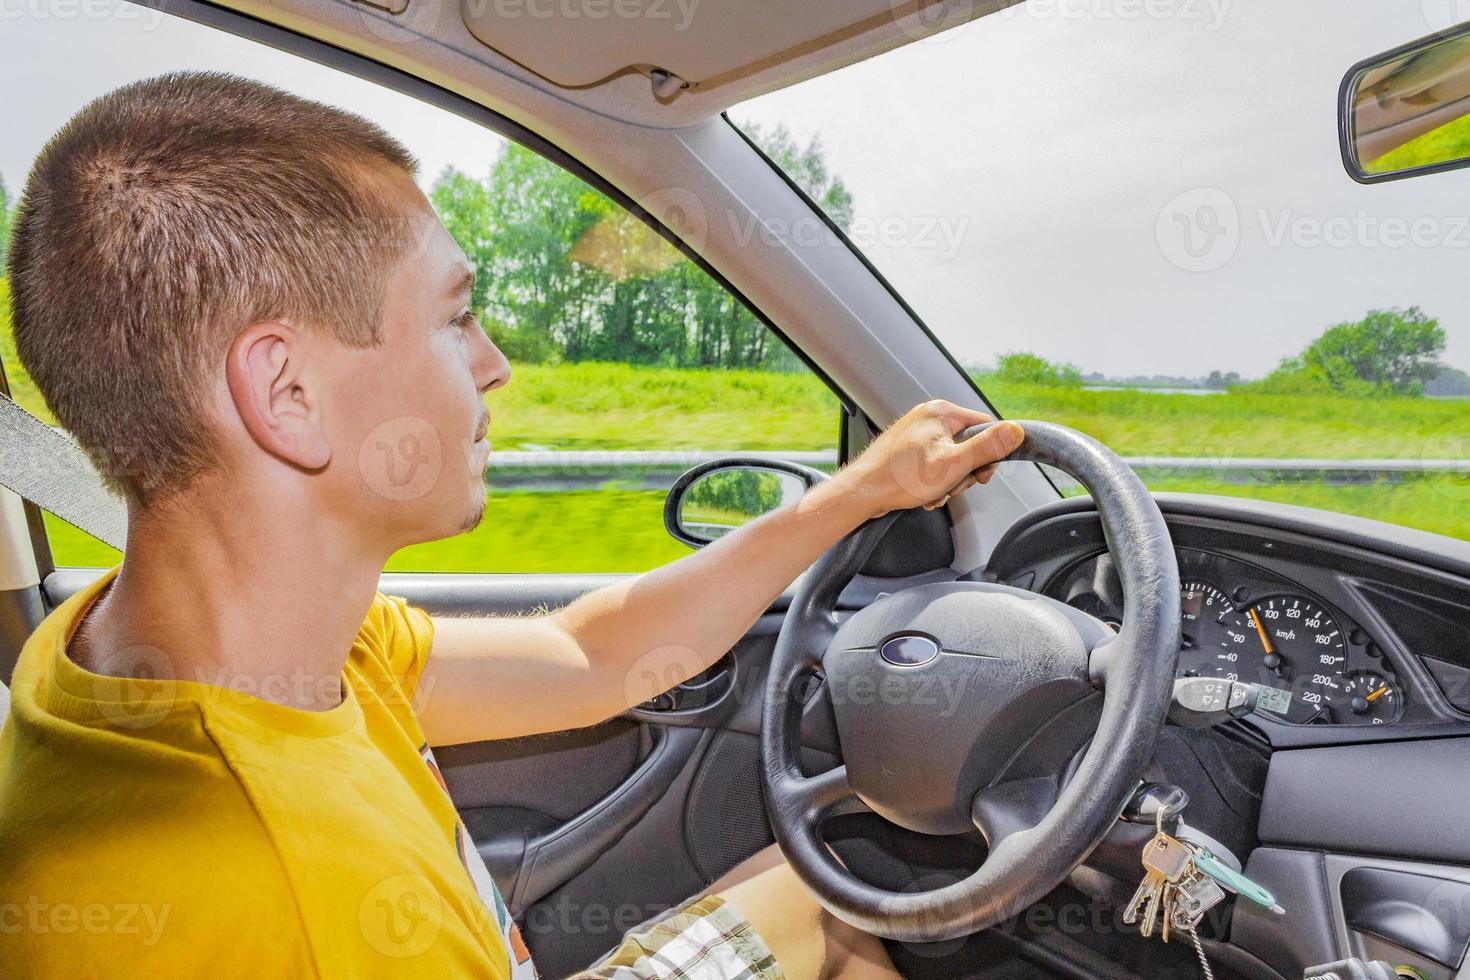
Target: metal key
(1195,895)
(1166,860)
(1152,882)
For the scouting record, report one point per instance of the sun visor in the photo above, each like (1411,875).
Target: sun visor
(581,42)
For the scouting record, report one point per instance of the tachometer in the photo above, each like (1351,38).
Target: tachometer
(1210,634)
(1294,646)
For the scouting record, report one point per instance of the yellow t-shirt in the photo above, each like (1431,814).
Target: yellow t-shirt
(174,828)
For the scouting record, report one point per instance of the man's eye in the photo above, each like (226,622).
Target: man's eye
(465,320)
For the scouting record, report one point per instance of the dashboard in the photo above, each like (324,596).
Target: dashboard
(1241,622)
(1352,627)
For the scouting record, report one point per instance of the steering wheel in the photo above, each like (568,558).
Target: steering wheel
(968,705)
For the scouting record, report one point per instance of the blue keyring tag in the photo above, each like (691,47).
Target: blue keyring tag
(1229,878)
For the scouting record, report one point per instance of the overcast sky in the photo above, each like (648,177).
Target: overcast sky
(1026,182)
(1050,139)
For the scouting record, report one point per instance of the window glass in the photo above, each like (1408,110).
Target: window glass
(629,363)
(1133,219)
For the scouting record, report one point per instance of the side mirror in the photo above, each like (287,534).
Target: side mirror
(716,497)
(1407,112)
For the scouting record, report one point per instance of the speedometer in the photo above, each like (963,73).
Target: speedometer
(1294,646)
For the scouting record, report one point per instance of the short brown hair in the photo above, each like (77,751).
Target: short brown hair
(161,220)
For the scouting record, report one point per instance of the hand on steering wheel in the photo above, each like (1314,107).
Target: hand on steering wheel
(1029,671)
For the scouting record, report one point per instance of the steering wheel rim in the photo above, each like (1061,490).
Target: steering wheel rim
(1135,670)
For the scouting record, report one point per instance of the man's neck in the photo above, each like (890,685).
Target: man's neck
(269,607)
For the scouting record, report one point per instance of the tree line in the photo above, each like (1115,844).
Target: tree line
(1394,352)
(565,274)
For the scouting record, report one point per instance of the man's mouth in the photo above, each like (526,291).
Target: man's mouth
(484,429)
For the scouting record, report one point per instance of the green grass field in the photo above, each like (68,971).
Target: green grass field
(592,406)
(576,531)
(600,406)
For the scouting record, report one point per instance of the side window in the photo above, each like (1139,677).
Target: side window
(629,363)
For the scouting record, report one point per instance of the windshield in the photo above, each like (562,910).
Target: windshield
(1133,219)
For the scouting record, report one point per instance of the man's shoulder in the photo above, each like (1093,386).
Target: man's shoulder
(393,644)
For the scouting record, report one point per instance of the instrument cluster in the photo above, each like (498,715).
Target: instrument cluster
(1243,623)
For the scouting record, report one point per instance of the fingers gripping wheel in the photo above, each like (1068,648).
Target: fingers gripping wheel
(940,690)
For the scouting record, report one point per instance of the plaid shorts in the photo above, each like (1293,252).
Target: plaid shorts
(703,939)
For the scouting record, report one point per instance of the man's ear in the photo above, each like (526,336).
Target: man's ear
(276,394)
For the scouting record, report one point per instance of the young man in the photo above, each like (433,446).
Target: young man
(217,758)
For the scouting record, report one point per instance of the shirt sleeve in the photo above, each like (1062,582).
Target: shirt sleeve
(406,634)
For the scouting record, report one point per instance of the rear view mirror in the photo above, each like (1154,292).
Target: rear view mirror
(1407,111)
(715,498)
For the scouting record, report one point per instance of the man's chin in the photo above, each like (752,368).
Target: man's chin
(474,517)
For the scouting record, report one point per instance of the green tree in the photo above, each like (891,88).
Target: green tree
(1448,383)
(807,166)
(1388,352)
(1023,367)
(747,492)
(517,228)
(565,274)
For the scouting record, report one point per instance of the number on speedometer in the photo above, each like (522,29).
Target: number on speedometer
(1296,647)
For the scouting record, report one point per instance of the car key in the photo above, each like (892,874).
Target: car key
(1195,895)
(1152,882)
(1166,859)
(1232,880)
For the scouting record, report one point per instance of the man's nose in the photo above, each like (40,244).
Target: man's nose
(491,368)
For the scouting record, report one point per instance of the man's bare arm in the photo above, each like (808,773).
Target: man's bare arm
(500,677)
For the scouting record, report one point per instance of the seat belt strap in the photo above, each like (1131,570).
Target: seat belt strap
(46,467)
